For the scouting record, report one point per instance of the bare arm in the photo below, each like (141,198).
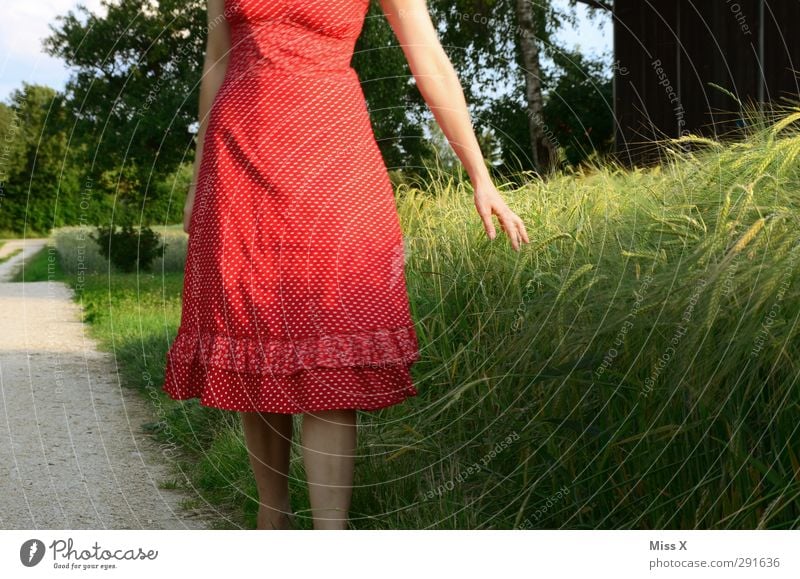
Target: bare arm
(436,79)
(442,91)
(214,66)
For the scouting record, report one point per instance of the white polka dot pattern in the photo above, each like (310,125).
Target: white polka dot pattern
(294,296)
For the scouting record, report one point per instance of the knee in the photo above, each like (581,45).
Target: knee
(337,416)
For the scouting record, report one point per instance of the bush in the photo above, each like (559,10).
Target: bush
(128,249)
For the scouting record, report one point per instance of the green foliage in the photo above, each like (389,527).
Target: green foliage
(135,93)
(579,107)
(128,249)
(78,257)
(482,42)
(395,103)
(40,174)
(44,265)
(47,179)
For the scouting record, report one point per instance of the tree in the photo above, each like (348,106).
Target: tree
(397,109)
(541,147)
(41,180)
(135,88)
(497,45)
(580,102)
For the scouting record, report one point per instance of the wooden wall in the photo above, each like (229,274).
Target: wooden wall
(668,51)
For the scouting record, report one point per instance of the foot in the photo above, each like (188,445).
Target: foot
(274,520)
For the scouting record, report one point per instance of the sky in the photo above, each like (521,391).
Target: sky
(23,27)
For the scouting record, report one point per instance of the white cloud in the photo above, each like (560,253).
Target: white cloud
(22,29)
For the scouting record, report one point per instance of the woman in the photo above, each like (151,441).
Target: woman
(294,298)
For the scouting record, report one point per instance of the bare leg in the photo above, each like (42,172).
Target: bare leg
(268,438)
(329,448)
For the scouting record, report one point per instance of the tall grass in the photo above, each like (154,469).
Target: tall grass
(635,366)
(644,347)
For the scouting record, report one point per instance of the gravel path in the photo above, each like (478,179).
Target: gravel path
(72,450)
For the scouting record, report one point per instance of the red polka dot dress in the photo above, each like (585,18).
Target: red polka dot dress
(294,296)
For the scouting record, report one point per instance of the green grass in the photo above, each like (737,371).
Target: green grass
(44,265)
(634,367)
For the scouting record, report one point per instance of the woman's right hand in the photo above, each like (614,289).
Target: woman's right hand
(488,202)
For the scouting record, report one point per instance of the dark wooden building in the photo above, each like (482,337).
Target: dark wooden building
(668,53)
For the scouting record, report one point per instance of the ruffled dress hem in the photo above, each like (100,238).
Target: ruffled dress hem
(365,371)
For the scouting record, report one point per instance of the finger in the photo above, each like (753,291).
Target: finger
(511,230)
(523,232)
(517,231)
(486,217)
(517,237)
